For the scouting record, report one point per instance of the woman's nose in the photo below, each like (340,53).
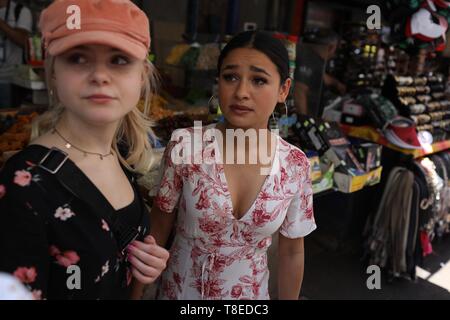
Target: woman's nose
(100,74)
(242,90)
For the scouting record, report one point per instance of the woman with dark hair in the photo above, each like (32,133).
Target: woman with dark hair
(228,210)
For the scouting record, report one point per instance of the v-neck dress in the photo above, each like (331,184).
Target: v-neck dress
(47,226)
(215,255)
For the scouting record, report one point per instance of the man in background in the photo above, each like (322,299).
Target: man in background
(15,26)
(310,74)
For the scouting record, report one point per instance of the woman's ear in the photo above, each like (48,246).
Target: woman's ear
(284,90)
(145,73)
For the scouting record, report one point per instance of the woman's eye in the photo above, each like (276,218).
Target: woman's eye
(260,81)
(229,77)
(77,58)
(120,60)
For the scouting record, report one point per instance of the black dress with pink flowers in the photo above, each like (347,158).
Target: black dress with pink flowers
(59,235)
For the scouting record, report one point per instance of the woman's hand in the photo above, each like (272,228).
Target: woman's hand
(148,259)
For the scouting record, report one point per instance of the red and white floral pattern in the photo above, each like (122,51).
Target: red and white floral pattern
(214,254)
(66,258)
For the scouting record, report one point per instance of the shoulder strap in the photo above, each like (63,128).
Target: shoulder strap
(57,163)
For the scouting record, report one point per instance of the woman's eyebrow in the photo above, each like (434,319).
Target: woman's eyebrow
(260,70)
(81,47)
(252,68)
(115,50)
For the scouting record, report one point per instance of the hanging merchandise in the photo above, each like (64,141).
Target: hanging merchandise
(437,185)
(442,4)
(388,229)
(426,26)
(418,24)
(443,214)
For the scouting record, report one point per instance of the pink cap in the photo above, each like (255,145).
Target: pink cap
(116,23)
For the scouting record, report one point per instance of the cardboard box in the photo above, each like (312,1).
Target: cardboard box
(369,155)
(314,162)
(348,184)
(326,182)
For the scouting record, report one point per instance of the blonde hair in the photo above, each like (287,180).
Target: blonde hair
(134,129)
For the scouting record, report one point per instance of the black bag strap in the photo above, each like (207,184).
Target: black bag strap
(57,163)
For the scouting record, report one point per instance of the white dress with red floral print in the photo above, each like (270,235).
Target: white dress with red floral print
(215,255)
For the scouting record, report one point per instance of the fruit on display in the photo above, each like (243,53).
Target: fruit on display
(158,108)
(17,131)
(179,115)
(166,126)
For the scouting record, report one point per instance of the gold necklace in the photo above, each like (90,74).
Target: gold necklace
(69,145)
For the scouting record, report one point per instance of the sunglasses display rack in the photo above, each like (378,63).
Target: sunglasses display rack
(360,60)
(423,100)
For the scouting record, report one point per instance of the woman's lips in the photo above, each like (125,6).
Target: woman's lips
(241,110)
(100,99)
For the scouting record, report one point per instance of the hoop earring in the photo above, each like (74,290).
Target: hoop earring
(210,99)
(286,111)
(213,107)
(286,108)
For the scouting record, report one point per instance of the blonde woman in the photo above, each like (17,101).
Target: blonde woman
(73,224)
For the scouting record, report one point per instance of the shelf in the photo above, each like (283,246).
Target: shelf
(324,192)
(371,134)
(28,84)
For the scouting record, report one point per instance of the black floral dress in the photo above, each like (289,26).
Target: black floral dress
(59,235)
